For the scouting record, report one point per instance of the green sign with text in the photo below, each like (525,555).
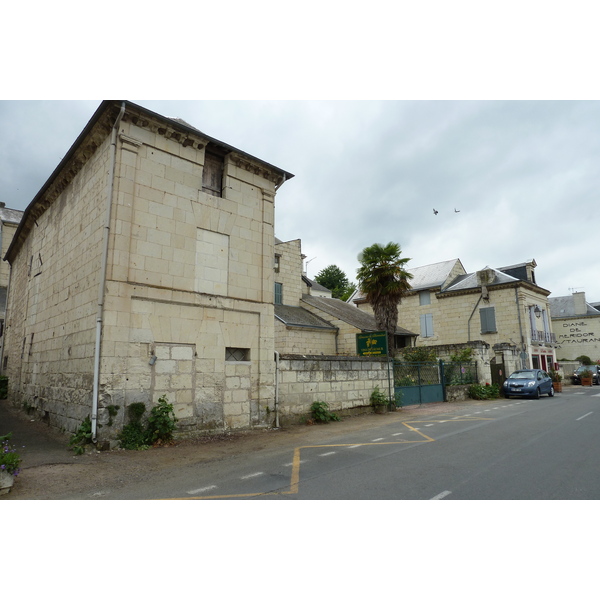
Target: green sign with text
(372,344)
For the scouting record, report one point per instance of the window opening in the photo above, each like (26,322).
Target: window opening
(278,293)
(212,174)
(237,354)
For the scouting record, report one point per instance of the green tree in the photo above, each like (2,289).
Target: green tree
(334,279)
(383,278)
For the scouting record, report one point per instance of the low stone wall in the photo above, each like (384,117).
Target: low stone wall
(457,393)
(345,383)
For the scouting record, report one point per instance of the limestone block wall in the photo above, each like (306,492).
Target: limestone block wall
(49,345)
(304,340)
(192,286)
(188,311)
(577,336)
(345,383)
(290,271)
(346,338)
(8,231)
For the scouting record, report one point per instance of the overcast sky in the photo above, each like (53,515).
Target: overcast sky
(524,175)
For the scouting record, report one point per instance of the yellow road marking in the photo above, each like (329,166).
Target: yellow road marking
(295,477)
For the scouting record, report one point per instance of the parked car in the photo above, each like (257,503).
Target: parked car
(595,369)
(528,383)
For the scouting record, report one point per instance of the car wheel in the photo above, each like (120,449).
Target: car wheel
(538,394)
(551,392)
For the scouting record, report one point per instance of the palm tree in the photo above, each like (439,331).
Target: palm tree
(384,281)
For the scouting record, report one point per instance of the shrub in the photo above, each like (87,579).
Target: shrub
(418,354)
(378,398)
(82,437)
(584,360)
(320,412)
(484,392)
(464,355)
(10,460)
(133,436)
(161,423)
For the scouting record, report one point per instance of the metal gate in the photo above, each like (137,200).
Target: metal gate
(418,382)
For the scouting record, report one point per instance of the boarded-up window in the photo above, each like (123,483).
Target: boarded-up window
(488,319)
(212,262)
(427,325)
(424,298)
(212,174)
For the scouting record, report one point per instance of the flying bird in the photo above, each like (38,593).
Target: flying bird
(456,210)
(435,212)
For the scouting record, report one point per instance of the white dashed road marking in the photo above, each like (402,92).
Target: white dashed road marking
(441,495)
(327,454)
(204,489)
(377,439)
(584,416)
(252,475)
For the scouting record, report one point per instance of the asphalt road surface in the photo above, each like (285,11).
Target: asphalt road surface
(514,449)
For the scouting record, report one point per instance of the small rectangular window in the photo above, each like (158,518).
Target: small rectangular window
(427,325)
(424,298)
(277,263)
(212,174)
(488,319)
(278,293)
(237,354)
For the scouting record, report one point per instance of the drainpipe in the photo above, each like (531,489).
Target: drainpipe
(469,321)
(276,389)
(101,290)
(523,366)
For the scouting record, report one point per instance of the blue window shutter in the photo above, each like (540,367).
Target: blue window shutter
(488,319)
(278,293)
(426,325)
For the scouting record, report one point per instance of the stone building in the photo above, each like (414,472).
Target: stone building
(501,313)
(308,320)
(9,221)
(142,268)
(576,324)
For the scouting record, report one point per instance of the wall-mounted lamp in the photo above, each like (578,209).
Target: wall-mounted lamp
(152,360)
(537,311)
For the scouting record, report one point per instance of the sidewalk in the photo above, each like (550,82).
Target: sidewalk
(38,444)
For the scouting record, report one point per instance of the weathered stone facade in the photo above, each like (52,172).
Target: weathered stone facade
(453,311)
(9,221)
(344,382)
(187,309)
(576,324)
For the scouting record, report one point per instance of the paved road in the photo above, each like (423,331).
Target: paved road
(503,449)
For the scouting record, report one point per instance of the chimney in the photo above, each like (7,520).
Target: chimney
(579,303)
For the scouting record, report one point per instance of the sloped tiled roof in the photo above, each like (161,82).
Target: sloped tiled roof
(426,277)
(314,285)
(564,306)
(433,275)
(349,314)
(470,280)
(296,316)
(10,215)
